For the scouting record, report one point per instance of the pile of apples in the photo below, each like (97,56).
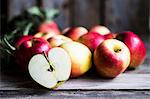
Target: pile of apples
(52,57)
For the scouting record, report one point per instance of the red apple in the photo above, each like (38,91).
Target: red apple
(136,47)
(28,48)
(48,27)
(91,40)
(100,29)
(110,36)
(21,39)
(57,40)
(75,32)
(111,58)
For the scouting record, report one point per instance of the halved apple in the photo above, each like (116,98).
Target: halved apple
(50,71)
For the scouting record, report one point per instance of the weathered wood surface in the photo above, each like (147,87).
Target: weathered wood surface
(43,94)
(137,79)
(131,84)
(15,7)
(85,13)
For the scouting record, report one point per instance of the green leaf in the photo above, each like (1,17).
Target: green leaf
(50,13)
(27,28)
(8,44)
(35,11)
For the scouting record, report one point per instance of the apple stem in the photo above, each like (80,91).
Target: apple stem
(117,50)
(51,68)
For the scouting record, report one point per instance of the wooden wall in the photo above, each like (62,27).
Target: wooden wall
(118,15)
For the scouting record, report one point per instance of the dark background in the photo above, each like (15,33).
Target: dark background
(117,15)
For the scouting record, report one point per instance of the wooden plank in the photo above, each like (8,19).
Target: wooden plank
(127,15)
(40,94)
(138,79)
(85,13)
(63,6)
(15,7)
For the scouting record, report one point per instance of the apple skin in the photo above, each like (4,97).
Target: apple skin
(81,57)
(75,32)
(111,58)
(136,47)
(57,40)
(45,35)
(28,48)
(110,36)
(48,27)
(100,29)
(91,40)
(21,39)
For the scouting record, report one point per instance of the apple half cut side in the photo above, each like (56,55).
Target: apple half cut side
(50,71)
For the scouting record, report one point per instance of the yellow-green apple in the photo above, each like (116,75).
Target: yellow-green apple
(57,40)
(75,32)
(52,70)
(28,46)
(111,58)
(136,47)
(80,57)
(91,40)
(110,35)
(44,35)
(100,29)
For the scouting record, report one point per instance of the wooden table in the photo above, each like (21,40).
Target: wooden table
(131,84)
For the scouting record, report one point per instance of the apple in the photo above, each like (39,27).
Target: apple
(21,39)
(91,40)
(100,29)
(45,35)
(48,27)
(136,47)
(110,36)
(65,30)
(52,70)
(111,58)
(57,40)
(28,48)
(81,57)
(75,32)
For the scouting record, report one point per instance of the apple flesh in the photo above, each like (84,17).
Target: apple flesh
(52,70)
(57,40)
(81,57)
(111,58)
(75,32)
(29,47)
(100,29)
(91,40)
(136,47)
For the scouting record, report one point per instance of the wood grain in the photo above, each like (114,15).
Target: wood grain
(15,7)
(137,79)
(63,20)
(40,94)
(128,15)
(85,13)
